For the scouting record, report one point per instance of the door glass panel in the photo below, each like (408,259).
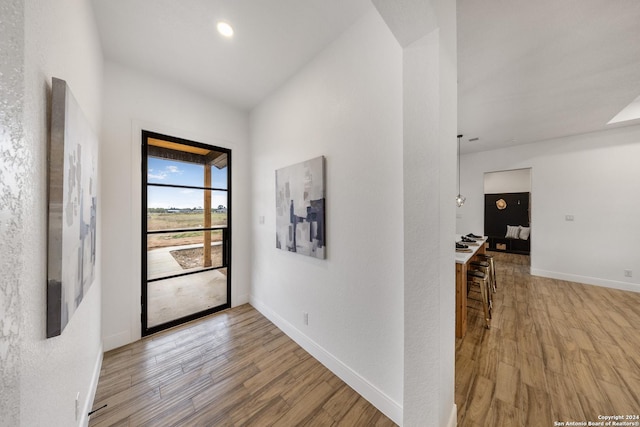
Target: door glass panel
(169,254)
(171,208)
(185,212)
(175,298)
(174,208)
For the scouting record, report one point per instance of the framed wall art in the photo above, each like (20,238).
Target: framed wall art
(72,206)
(300,208)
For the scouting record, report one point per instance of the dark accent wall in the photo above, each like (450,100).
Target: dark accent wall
(516,213)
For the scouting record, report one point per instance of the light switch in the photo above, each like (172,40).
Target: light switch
(568,217)
(261,219)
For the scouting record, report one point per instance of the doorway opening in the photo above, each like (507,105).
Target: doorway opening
(186,231)
(507,213)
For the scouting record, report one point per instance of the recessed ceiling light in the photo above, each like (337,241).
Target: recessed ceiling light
(224,29)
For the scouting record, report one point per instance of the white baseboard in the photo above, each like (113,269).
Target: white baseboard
(116,340)
(88,404)
(453,418)
(239,300)
(624,286)
(376,397)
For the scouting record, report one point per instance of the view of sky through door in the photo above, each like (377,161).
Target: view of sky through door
(162,171)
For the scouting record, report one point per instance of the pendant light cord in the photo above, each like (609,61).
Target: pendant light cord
(459,136)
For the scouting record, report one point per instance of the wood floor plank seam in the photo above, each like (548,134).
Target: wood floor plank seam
(565,351)
(233,368)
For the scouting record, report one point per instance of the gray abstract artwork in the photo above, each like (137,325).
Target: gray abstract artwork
(72,208)
(300,218)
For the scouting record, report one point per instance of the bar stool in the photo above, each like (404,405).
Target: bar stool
(482,280)
(492,264)
(485,267)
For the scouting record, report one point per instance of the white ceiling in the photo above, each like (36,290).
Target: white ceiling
(527,70)
(177,39)
(536,70)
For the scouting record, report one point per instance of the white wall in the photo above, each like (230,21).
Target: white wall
(511,181)
(595,178)
(14,167)
(59,40)
(429,190)
(135,101)
(427,32)
(346,105)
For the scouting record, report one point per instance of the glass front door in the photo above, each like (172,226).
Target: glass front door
(186,218)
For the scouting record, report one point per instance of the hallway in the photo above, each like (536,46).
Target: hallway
(233,368)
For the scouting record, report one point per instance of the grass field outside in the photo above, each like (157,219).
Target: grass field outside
(181,220)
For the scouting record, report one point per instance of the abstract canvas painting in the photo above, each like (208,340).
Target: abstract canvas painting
(72,208)
(300,199)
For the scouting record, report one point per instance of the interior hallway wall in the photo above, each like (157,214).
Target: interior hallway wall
(136,101)
(346,105)
(427,32)
(594,178)
(56,38)
(14,170)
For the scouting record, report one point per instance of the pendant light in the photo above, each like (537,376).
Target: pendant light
(460,199)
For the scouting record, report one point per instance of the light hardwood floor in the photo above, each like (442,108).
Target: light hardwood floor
(557,351)
(233,368)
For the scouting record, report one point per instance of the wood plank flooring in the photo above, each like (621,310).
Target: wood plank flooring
(557,351)
(233,368)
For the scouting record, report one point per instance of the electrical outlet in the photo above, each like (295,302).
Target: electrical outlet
(628,273)
(305,318)
(77,406)
(261,219)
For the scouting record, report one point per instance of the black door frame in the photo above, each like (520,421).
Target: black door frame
(226,236)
